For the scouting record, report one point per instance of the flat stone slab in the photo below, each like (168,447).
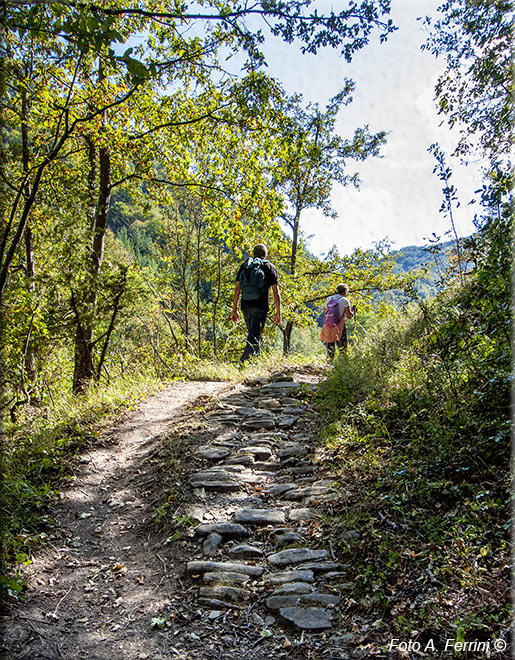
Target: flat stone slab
(260,516)
(213,453)
(197,566)
(211,475)
(271,466)
(281,488)
(220,592)
(302,514)
(221,577)
(217,486)
(250,477)
(281,386)
(245,459)
(244,411)
(276,602)
(226,529)
(290,576)
(294,588)
(309,618)
(295,556)
(269,404)
(245,550)
(293,449)
(277,435)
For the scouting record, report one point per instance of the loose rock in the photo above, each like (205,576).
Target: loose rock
(211,544)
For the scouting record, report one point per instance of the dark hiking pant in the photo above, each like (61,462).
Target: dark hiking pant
(341,343)
(255,321)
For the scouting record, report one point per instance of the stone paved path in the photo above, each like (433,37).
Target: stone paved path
(256,548)
(251,581)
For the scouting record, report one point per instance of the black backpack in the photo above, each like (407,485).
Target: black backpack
(252,279)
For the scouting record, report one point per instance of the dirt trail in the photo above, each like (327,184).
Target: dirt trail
(100,576)
(112,586)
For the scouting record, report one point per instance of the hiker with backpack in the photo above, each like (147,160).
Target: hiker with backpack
(254,279)
(337,310)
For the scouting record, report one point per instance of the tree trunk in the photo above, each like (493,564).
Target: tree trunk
(84,368)
(216,301)
(293,264)
(29,368)
(287,338)
(199,318)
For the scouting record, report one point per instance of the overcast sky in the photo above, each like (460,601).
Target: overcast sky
(399,197)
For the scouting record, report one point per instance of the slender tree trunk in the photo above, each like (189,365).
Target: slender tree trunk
(293,265)
(217,300)
(199,311)
(287,337)
(84,367)
(29,368)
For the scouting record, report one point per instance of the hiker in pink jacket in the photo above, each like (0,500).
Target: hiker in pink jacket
(337,310)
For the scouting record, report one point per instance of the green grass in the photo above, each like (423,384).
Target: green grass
(423,473)
(37,457)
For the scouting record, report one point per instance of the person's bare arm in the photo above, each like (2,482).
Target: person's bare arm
(236,297)
(277,302)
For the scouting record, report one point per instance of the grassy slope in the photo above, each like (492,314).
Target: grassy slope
(417,434)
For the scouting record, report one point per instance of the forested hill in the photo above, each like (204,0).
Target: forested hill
(430,260)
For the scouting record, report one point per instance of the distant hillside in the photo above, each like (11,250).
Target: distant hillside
(416,257)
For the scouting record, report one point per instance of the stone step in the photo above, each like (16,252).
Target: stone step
(211,475)
(279,489)
(245,550)
(221,577)
(260,516)
(290,576)
(309,618)
(217,486)
(294,588)
(295,556)
(228,530)
(260,453)
(199,566)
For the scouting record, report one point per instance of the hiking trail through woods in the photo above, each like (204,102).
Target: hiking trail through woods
(189,532)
